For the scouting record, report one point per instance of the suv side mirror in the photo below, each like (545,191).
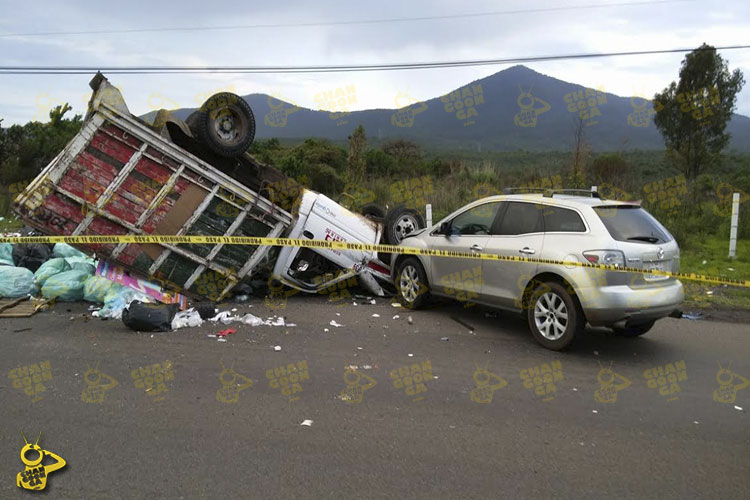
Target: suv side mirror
(445,228)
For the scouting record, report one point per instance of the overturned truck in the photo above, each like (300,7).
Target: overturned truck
(123,176)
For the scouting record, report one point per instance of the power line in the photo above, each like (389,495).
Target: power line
(342,23)
(76,70)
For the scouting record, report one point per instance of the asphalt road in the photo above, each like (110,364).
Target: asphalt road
(447,441)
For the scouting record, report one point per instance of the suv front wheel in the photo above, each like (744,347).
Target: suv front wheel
(411,283)
(554,316)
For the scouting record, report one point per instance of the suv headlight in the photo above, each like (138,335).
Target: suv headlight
(605,257)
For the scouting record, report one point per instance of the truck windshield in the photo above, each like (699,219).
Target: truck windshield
(632,223)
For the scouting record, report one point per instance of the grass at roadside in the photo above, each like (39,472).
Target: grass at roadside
(709,256)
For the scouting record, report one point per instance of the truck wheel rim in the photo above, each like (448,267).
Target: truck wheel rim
(405,225)
(551,316)
(409,283)
(228,125)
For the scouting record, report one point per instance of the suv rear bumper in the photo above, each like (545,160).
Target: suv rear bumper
(613,304)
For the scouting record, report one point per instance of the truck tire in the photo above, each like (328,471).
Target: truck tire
(373,211)
(226,125)
(401,221)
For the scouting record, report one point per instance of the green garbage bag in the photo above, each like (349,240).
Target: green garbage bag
(65,250)
(96,289)
(66,287)
(81,263)
(16,282)
(6,254)
(50,268)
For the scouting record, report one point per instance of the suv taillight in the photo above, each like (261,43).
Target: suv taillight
(606,257)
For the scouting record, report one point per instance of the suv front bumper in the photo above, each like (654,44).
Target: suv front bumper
(607,305)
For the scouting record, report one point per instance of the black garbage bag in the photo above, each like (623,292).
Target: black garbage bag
(206,310)
(31,255)
(145,317)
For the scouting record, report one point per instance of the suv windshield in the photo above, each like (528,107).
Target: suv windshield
(632,223)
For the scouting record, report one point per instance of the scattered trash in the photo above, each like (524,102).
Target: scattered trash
(234,309)
(145,317)
(251,319)
(16,282)
(228,331)
(207,310)
(410,355)
(737,407)
(277,348)
(338,314)
(695,421)
(66,286)
(444,339)
(189,318)
(704,262)
(354,304)
(692,316)
(731,268)
(325,330)
(375,315)
(396,316)
(359,348)
(116,300)
(710,292)
(241,298)
(31,255)
(410,320)
(333,323)
(395,304)
(50,268)
(153,290)
(221,339)
(307,423)
(594,411)
(367,367)
(224,316)
(372,302)
(211,335)
(575,388)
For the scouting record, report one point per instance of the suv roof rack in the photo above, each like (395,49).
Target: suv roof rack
(549,193)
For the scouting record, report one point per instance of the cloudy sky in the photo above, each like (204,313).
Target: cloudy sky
(588,26)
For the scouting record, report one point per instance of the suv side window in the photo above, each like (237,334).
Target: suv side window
(476,221)
(557,219)
(520,218)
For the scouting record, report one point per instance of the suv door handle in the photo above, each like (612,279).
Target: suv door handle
(475,248)
(527,250)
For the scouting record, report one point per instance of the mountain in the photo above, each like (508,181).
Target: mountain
(517,108)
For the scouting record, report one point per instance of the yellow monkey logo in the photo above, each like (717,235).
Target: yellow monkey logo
(34,475)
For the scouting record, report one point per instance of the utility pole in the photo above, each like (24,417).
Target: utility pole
(733,230)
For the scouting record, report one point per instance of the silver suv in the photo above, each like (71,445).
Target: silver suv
(558,300)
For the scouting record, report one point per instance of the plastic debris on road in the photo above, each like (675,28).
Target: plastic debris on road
(226,318)
(333,323)
(277,348)
(307,423)
(228,331)
(190,318)
(145,317)
(16,282)
(116,300)
(692,316)
(375,315)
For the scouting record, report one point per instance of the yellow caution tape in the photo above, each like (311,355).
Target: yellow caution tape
(366,247)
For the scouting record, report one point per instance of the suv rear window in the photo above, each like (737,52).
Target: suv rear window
(632,223)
